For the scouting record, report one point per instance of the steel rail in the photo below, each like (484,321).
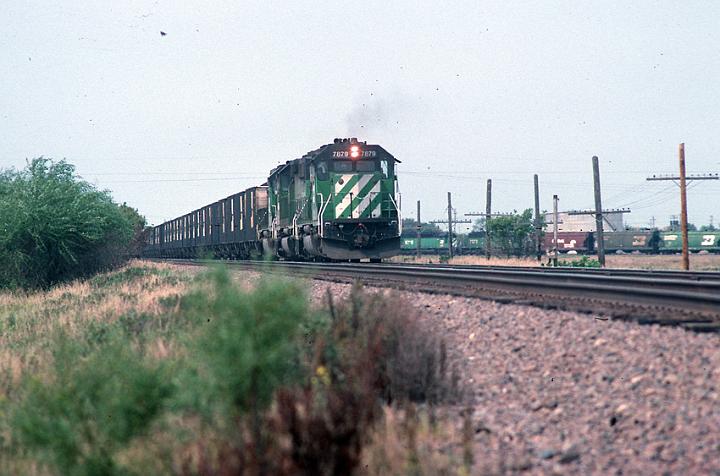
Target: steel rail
(664,273)
(648,298)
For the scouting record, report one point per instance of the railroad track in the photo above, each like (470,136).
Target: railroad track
(690,300)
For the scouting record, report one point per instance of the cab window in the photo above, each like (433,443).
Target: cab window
(342,166)
(386,168)
(321,170)
(368,166)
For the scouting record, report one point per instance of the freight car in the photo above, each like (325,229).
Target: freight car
(697,241)
(338,202)
(470,243)
(642,241)
(428,244)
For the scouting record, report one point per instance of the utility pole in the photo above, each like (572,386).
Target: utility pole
(488,214)
(450,222)
(683,210)
(682,180)
(538,225)
(450,226)
(418,229)
(555,230)
(598,212)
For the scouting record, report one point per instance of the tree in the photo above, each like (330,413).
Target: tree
(479,225)
(513,234)
(426,229)
(708,228)
(55,227)
(139,229)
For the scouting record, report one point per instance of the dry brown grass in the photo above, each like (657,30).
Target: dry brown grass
(467,260)
(698,262)
(408,441)
(35,317)
(710,262)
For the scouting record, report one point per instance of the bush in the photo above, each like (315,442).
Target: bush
(91,409)
(295,391)
(584,262)
(56,227)
(249,344)
(373,350)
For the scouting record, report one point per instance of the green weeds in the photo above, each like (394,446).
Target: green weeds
(584,262)
(91,408)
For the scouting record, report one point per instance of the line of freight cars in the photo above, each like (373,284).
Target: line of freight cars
(650,241)
(646,241)
(339,202)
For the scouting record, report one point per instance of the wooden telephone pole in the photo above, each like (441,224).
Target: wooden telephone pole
(598,212)
(683,209)
(682,180)
(555,230)
(450,225)
(538,224)
(418,229)
(488,214)
(450,222)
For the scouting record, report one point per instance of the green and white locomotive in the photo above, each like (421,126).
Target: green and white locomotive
(338,202)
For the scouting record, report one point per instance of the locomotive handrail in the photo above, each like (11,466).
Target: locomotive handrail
(323,205)
(399,213)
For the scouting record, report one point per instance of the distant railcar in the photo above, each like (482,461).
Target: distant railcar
(428,244)
(568,241)
(697,241)
(629,241)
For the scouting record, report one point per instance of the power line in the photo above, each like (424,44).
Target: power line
(219,179)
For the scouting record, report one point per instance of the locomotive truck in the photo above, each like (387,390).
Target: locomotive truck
(338,202)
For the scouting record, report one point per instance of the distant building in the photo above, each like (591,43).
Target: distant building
(586,223)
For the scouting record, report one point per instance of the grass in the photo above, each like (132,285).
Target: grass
(709,262)
(159,369)
(466,260)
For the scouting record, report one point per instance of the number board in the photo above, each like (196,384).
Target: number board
(344,154)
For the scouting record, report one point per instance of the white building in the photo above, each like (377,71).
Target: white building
(586,223)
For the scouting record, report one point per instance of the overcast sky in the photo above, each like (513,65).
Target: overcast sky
(458,91)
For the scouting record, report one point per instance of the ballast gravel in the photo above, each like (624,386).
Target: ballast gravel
(556,392)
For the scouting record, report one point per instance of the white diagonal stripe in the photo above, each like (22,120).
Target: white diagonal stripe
(353,192)
(365,202)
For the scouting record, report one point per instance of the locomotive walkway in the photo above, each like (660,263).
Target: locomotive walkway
(687,299)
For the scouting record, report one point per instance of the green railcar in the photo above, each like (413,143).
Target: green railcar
(462,244)
(428,244)
(629,241)
(697,241)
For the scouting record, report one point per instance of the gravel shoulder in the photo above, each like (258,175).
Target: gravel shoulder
(566,393)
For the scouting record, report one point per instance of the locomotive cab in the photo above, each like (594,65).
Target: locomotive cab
(339,202)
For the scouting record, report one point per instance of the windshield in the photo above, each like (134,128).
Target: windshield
(346,166)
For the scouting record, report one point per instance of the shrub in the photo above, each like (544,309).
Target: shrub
(373,350)
(584,262)
(248,346)
(92,407)
(409,362)
(56,227)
